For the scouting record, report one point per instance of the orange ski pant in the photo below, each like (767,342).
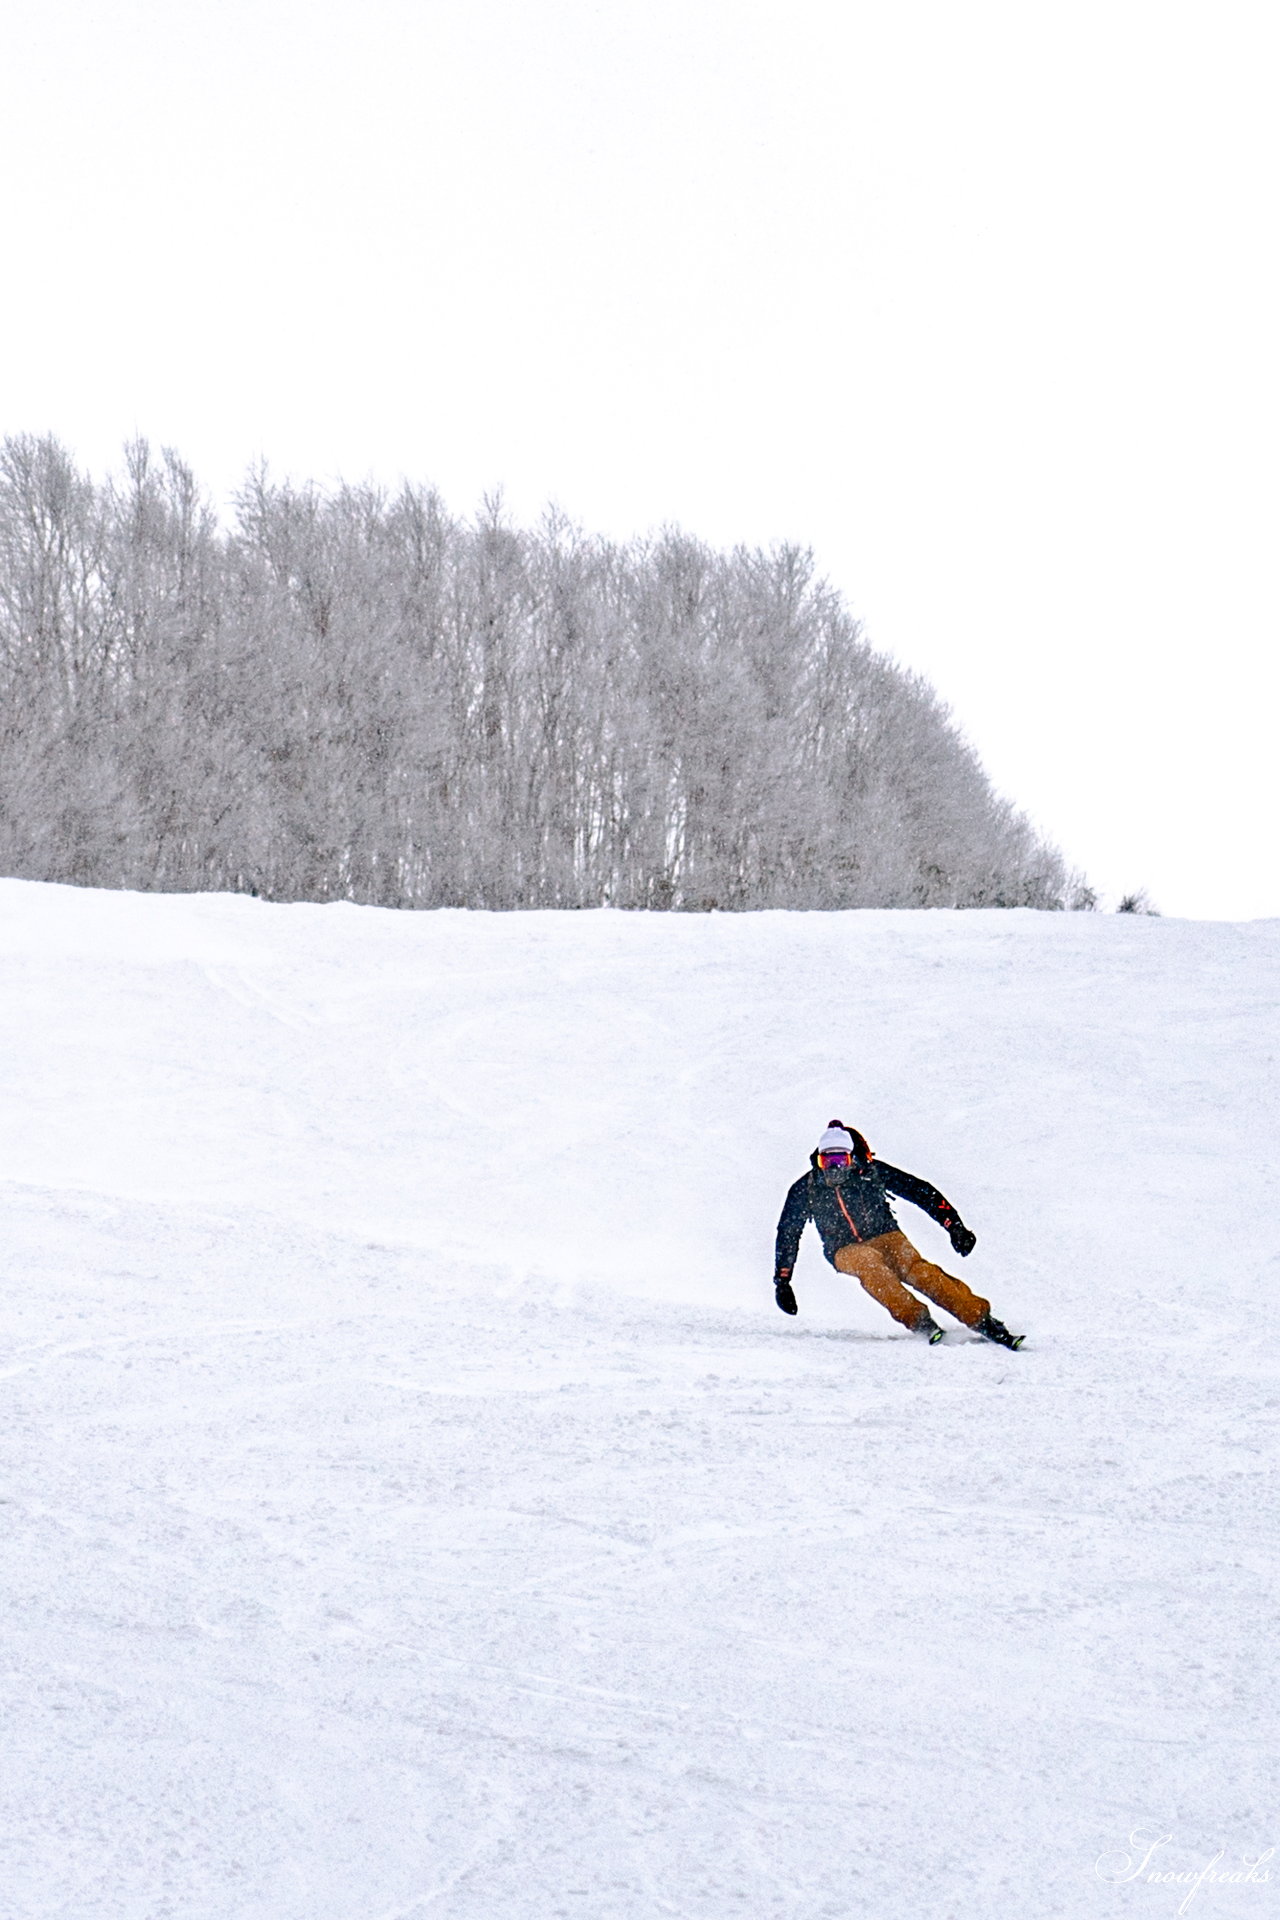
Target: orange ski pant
(883,1264)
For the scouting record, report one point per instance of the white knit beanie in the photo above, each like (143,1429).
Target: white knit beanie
(836,1140)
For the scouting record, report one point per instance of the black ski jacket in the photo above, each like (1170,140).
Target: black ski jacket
(857,1209)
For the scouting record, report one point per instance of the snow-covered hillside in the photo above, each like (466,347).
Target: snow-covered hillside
(414,1503)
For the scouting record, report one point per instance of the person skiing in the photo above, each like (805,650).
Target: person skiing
(846,1195)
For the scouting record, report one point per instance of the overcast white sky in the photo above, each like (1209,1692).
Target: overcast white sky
(979,300)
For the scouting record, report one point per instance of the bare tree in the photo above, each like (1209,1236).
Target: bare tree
(356,696)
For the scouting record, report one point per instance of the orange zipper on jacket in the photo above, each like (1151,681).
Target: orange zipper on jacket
(845,1211)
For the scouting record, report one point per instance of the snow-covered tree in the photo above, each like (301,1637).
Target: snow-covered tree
(355,695)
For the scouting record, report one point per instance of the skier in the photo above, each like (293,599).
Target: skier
(846,1196)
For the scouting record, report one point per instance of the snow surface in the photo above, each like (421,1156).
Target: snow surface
(414,1503)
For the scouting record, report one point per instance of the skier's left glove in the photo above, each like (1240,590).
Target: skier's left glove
(782,1293)
(963,1238)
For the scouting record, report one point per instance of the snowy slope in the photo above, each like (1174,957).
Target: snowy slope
(414,1503)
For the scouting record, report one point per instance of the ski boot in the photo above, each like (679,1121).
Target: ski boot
(992,1329)
(929,1328)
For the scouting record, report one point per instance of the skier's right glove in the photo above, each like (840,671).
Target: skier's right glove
(782,1293)
(963,1239)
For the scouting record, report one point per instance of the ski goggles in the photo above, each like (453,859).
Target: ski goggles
(826,1160)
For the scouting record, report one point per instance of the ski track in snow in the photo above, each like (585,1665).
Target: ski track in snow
(414,1504)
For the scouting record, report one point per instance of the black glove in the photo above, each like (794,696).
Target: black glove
(782,1293)
(963,1239)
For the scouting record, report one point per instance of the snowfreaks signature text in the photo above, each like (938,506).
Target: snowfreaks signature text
(1140,1865)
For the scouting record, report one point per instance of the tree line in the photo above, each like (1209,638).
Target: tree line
(353,694)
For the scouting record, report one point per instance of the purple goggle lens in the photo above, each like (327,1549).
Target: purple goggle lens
(835,1159)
